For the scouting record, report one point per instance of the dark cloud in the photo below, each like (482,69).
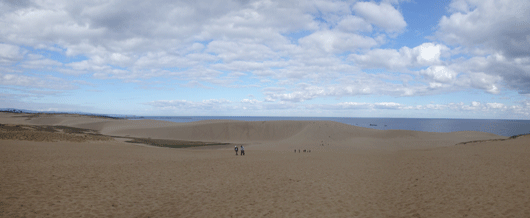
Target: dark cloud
(499,31)
(17,3)
(516,77)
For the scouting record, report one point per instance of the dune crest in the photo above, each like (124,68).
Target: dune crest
(267,134)
(292,134)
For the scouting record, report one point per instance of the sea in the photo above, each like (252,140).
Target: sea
(495,126)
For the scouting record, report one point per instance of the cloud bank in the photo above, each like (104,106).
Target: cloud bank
(308,55)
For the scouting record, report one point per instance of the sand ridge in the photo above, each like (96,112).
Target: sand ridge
(283,135)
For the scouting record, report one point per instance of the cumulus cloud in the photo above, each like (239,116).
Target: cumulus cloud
(222,105)
(241,50)
(423,55)
(356,86)
(250,101)
(387,105)
(181,105)
(34,61)
(9,54)
(354,24)
(499,25)
(353,105)
(14,101)
(493,72)
(125,40)
(522,109)
(439,74)
(48,82)
(382,15)
(334,41)
(293,51)
(484,81)
(475,106)
(497,34)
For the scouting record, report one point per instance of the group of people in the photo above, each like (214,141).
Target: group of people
(242,150)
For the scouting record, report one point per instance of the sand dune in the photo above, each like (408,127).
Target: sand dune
(287,135)
(358,172)
(276,134)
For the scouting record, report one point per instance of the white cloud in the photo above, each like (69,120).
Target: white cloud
(353,105)
(428,53)
(48,82)
(423,55)
(497,35)
(485,81)
(307,51)
(9,54)
(244,51)
(182,105)
(460,107)
(387,105)
(39,62)
(495,106)
(354,24)
(336,42)
(250,101)
(367,84)
(439,74)
(130,41)
(15,101)
(139,38)
(383,15)
(499,25)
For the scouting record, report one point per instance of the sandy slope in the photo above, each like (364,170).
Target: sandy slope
(359,172)
(282,135)
(290,134)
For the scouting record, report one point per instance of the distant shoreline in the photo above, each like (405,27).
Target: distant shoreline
(505,128)
(18,111)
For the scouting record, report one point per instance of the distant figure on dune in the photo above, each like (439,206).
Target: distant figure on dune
(235,149)
(242,150)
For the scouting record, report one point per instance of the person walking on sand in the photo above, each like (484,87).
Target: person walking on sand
(235,149)
(242,150)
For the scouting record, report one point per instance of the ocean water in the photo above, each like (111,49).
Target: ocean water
(499,127)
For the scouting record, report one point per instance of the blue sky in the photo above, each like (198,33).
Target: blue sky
(389,58)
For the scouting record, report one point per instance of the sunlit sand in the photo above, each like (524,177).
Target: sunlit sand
(82,166)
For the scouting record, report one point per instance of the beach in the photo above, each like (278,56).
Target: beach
(67,165)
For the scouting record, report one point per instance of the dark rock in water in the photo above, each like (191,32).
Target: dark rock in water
(371,124)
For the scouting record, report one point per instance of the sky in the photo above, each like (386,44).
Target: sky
(317,58)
